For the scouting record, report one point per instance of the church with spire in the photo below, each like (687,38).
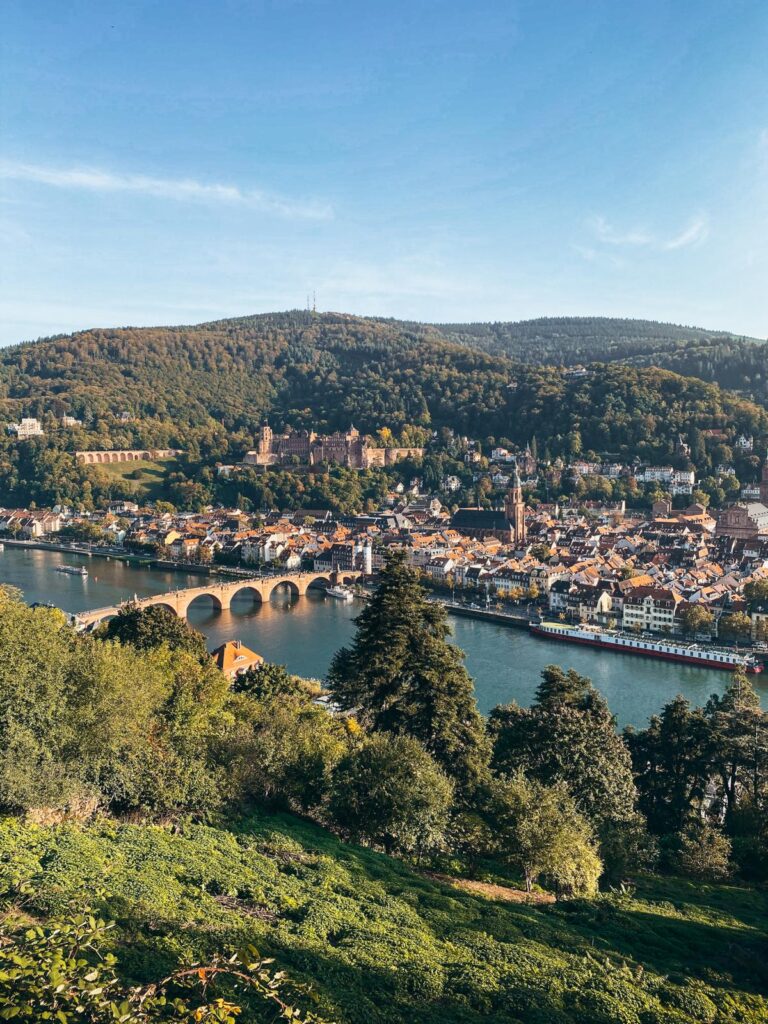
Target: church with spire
(506,525)
(747,520)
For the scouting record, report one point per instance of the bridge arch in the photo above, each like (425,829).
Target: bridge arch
(162,604)
(242,595)
(94,624)
(295,589)
(319,583)
(201,601)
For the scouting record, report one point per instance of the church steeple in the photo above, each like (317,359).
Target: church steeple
(764,482)
(514,508)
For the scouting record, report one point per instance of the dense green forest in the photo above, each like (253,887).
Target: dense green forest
(305,370)
(206,389)
(726,359)
(315,370)
(408,859)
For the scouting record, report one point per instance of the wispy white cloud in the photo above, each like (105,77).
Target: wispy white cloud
(695,232)
(692,234)
(92,179)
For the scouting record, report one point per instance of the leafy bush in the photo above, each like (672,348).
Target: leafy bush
(58,972)
(391,792)
(704,852)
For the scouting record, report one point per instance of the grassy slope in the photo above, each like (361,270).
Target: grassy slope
(150,485)
(382,944)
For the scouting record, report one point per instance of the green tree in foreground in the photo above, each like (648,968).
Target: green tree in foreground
(671,765)
(268,680)
(738,745)
(146,628)
(540,833)
(87,723)
(389,791)
(280,747)
(704,852)
(567,735)
(402,675)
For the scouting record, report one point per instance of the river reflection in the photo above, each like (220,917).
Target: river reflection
(303,634)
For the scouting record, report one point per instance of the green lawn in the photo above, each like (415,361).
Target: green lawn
(381,943)
(150,482)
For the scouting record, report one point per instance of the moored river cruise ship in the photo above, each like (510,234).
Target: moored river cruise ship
(669,650)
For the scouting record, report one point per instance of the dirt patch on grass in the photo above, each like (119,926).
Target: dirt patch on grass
(491,891)
(244,907)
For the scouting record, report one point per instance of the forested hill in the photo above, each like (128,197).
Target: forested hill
(326,370)
(300,368)
(727,359)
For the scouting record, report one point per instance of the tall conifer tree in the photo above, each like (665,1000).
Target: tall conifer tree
(401,674)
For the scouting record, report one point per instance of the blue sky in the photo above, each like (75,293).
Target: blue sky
(172,162)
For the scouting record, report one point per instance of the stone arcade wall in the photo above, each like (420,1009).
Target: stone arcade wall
(134,455)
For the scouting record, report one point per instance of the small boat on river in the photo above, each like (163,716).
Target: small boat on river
(73,570)
(340,593)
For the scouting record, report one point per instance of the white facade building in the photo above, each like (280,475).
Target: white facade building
(28,427)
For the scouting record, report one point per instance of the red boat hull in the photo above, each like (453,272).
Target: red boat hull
(685,659)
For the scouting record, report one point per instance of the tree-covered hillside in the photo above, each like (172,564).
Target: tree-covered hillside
(207,388)
(326,370)
(727,359)
(300,368)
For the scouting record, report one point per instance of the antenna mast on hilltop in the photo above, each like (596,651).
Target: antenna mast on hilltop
(314,302)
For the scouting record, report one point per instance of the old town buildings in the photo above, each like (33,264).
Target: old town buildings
(637,571)
(747,520)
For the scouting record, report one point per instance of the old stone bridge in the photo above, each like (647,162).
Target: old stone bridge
(259,588)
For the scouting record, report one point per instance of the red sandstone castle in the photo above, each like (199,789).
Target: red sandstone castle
(349,448)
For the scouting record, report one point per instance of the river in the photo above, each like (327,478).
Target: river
(304,633)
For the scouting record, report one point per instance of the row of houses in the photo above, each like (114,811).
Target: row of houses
(593,564)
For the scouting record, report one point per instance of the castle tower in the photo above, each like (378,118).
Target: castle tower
(514,508)
(265,440)
(764,482)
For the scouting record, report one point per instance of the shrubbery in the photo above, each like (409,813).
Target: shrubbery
(136,724)
(378,941)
